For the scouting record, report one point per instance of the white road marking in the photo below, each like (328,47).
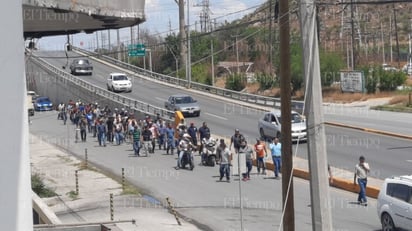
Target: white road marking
(219,117)
(160,99)
(409,161)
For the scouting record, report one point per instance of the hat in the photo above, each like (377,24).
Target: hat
(236,130)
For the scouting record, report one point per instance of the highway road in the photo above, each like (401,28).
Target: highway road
(198,195)
(387,156)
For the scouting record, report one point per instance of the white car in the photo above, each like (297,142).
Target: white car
(407,68)
(269,125)
(119,82)
(395,203)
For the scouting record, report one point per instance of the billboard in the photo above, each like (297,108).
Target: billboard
(352,81)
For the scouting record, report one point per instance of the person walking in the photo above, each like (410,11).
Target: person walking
(248,151)
(361,173)
(192,131)
(170,139)
(162,136)
(83,126)
(101,132)
(236,140)
(136,140)
(225,159)
(203,131)
(276,152)
(261,153)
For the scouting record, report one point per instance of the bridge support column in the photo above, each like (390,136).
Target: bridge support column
(15,193)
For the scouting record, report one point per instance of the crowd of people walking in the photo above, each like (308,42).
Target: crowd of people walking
(117,127)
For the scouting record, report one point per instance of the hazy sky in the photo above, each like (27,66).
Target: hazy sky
(161,16)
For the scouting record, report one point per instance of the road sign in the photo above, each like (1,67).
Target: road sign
(136,50)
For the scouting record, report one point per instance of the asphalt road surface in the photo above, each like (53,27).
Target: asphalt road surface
(387,156)
(198,195)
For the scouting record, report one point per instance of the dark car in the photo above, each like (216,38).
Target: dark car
(81,66)
(43,103)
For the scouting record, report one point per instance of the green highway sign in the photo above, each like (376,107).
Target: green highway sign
(136,50)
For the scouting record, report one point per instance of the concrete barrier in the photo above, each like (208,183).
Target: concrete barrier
(45,214)
(370,130)
(344,184)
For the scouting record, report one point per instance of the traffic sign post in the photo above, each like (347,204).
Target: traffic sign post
(136,50)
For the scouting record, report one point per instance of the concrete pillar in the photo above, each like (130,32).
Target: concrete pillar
(15,193)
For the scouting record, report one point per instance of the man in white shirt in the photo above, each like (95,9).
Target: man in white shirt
(361,172)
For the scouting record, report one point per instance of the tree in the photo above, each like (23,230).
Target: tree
(330,66)
(236,82)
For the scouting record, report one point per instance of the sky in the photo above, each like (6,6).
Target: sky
(161,19)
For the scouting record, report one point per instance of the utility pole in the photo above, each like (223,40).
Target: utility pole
(288,220)
(109,42)
(16,198)
(118,45)
(182,32)
(353,66)
(396,35)
(270,43)
(237,53)
(213,62)
(97,41)
(319,187)
(383,45)
(189,62)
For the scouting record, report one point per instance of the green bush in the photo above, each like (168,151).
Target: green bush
(39,187)
(266,81)
(236,82)
(377,78)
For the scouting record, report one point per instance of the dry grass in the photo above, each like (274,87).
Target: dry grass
(338,96)
(330,94)
(399,99)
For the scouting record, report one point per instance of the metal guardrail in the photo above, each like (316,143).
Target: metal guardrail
(126,101)
(235,95)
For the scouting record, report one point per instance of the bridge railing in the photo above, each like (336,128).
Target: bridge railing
(133,104)
(235,95)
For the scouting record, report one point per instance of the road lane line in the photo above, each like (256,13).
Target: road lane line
(219,117)
(409,161)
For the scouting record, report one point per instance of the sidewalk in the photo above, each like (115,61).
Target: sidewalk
(93,202)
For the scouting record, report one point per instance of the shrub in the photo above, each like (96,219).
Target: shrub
(266,81)
(39,187)
(236,82)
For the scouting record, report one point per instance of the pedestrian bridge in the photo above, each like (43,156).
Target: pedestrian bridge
(60,17)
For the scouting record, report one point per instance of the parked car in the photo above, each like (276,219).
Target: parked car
(407,68)
(387,67)
(184,103)
(81,66)
(30,107)
(33,95)
(269,126)
(119,82)
(394,203)
(43,103)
